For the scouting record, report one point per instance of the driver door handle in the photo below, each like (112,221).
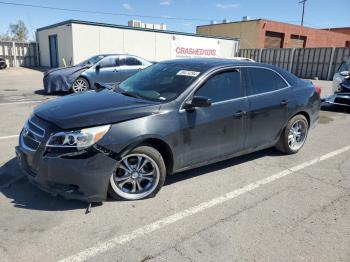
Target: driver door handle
(239,113)
(284,102)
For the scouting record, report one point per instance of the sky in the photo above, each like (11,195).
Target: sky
(318,13)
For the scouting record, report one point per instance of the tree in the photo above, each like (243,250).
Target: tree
(16,32)
(19,31)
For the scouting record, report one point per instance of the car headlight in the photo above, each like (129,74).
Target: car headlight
(79,139)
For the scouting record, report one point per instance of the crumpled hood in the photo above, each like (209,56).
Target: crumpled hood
(61,79)
(94,108)
(65,70)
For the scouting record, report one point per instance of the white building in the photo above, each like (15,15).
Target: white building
(73,41)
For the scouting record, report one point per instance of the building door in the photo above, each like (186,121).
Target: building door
(53,50)
(273,40)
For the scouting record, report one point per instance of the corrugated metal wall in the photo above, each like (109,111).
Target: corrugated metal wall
(303,62)
(19,54)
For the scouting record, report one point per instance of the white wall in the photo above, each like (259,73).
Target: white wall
(64,41)
(77,42)
(89,40)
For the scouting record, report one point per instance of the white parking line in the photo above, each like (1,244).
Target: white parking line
(8,137)
(147,229)
(22,102)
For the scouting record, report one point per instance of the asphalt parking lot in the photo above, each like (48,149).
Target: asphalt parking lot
(263,206)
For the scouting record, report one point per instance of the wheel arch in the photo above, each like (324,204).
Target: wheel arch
(303,113)
(160,145)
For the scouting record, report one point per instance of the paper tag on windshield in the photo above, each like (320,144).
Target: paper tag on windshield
(187,73)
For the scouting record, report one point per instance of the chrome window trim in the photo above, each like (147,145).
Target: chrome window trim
(238,98)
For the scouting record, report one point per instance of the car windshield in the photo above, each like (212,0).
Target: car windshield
(161,82)
(92,60)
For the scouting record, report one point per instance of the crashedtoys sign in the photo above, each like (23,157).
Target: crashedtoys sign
(190,47)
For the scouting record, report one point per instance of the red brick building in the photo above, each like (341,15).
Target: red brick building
(343,30)
(263,33)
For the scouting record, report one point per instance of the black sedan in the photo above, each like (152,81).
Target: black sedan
(172,116)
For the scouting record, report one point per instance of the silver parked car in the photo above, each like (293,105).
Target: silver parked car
(108,69)
(340,75)
(341,86)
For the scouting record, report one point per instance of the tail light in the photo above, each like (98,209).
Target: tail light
(318,90)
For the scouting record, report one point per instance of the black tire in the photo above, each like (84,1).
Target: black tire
(283,144)
(157,158)
(84,84)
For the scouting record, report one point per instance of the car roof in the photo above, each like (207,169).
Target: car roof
(211,63)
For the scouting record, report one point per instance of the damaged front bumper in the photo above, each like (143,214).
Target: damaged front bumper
(82,175)
(85,179)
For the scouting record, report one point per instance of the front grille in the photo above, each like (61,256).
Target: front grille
(32,135)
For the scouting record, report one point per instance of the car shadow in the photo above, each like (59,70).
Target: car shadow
(16,187)
(42,92)
(220,165)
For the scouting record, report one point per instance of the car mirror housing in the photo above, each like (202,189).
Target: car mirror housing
(344,73)
(197,101)
(98,67)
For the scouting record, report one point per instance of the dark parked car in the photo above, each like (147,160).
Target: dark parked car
(101,68)
(3,64)
(172,116)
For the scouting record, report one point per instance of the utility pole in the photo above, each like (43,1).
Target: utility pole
(302,16)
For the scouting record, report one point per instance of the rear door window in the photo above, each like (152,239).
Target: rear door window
(222,86)
(263,80)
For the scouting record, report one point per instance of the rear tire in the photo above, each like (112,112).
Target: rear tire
(293,135)
(81,84)
(140,174)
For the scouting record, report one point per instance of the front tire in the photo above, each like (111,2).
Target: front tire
(140,174)
(294,135)
(80,85)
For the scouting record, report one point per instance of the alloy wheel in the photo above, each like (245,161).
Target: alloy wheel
(80,85)
(297,135)
(136,177)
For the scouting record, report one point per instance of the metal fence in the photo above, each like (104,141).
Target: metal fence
(19,54)
(303,62)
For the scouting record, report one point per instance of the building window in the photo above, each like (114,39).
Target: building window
(273,39)
(297,41)
(347,44)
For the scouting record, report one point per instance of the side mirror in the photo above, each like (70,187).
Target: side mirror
(197,101)
(97,67)
(344,73)
(99,86)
